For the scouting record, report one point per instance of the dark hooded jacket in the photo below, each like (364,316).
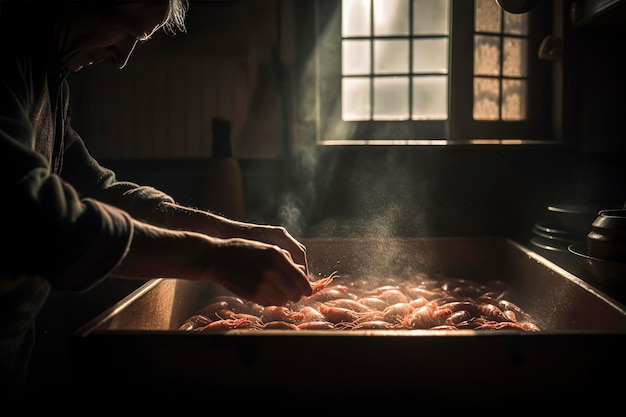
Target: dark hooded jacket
(66,218)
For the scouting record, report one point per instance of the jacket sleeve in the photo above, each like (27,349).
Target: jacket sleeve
(50,228)
(95,181)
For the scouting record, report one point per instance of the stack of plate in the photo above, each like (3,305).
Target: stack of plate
(564,224)
(548,237)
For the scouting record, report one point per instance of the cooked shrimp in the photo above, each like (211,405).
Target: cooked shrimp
(530,327)
(492,312)
(234,303)
(311,314)
(279,325)
(393,296)
(210,310)
(325,294)
(228,314)
(316,325)
(281,313)
(337,314)
(349,304)
(324,282)
(458,317)
(421,318)
(415,292)
(195,322)
(373,303)
(397,313)
(373,325)
(509,306)
(443,327)
(227,324)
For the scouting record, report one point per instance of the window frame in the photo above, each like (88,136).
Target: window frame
(459,128)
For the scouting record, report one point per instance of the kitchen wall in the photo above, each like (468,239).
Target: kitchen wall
(161,104)
(151,122)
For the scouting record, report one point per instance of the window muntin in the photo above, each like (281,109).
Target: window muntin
(455,95)
(394,59)
(500,63)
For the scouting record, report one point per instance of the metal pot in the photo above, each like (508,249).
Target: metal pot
(607,239)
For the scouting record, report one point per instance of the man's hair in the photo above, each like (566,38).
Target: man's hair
(174,22)
(176,16)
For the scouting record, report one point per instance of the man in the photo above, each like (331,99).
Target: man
(69,222)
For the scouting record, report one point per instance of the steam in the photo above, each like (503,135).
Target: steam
(369,204)
(291,215)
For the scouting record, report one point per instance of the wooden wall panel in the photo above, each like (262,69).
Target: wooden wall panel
(161,104)
(160,109)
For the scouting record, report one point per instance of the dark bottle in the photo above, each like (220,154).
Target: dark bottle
(224,187)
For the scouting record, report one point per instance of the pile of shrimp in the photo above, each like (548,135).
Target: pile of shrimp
(349,303)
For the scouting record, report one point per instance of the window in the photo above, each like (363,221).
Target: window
(394,67)
(431,72)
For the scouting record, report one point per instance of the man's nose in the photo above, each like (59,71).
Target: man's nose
(123,51)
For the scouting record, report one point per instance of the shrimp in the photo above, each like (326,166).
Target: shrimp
(324,282)
(229,314)
(416,292)
(280,313)
(195,322)
(348,303)
(316,325)
(509,306)
(393,296)
(510,315)
(492,312)
(227,324)
(337,314)
(397,312)
(458,317)
(373,325)
(373,303)
(311,314)
(234,303)
(211,309)
(325,294)
(509,325)
(421,318)
(443,327)
(375,292)
(279,325)
(530,327)
(420,302)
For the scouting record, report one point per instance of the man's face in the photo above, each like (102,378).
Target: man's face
(94,36)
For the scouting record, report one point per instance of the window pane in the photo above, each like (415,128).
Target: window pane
(391,56)
(355,98)
(430,55)
(514,102)
(391,17)
(486,94)
(391,98)
(430,98)
(514,64)
(431,17)
(356,18)
(515,24)
(355,57)
(486,55)
(487,16)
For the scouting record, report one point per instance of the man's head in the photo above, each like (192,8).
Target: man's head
(100,31)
